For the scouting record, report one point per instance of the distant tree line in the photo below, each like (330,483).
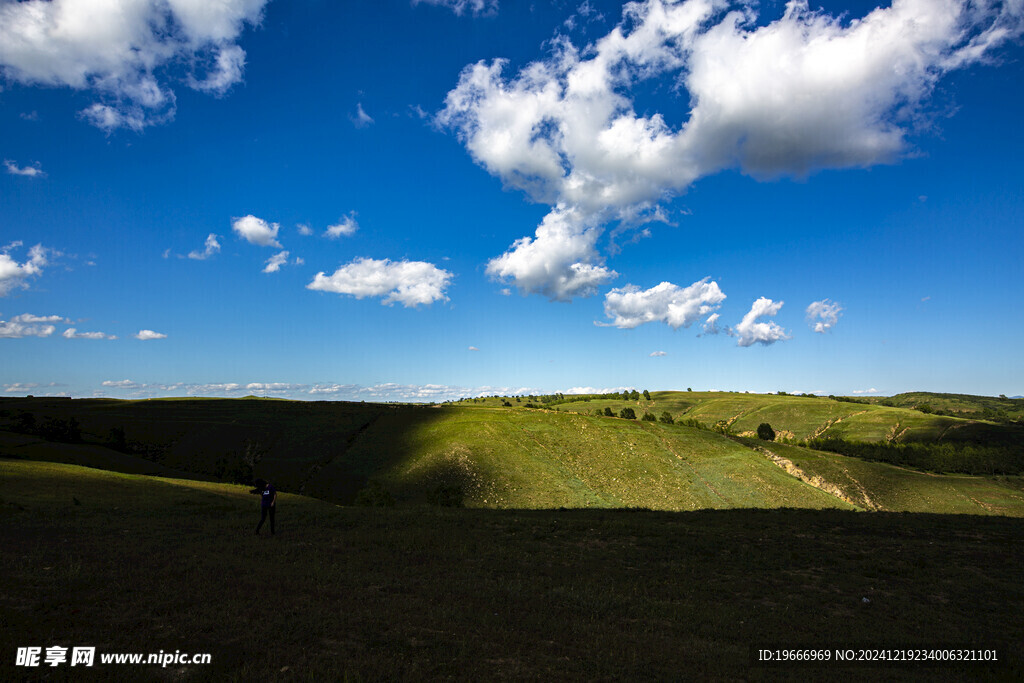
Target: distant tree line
(50,428)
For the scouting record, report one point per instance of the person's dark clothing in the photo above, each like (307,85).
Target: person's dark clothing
(267,494)
(264,511)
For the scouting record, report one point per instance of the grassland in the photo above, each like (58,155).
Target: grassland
(510,456)
(141,564)
(879,486)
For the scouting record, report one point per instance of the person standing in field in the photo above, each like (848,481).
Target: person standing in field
(268,503)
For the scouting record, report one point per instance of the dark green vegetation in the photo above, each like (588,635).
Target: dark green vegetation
(141,564)
(535,451)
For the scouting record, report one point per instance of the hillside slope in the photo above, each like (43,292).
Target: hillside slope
(510,457)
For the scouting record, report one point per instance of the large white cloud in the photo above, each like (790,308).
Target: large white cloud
(560,261)
(409,283)
(14,274)
(823,315)
(630,306)
(749,331)
(257,231)
(128,52)
(28,325)
(805,92)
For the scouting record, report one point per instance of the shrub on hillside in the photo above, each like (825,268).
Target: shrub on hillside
(649,417)
(25,423)
(608,412)
(627,413)
(765,432)
(374,495)
(55,429)
(447,496)
(666,417)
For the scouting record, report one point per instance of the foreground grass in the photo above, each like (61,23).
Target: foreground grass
(142,564)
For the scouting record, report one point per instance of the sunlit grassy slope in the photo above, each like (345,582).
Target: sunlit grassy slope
(510,456)
(799,417)
(880,486)
(525,458)
(130,563)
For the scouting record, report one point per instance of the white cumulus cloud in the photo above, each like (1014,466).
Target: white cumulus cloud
(807,91)
(146,335)
(823,315)
(630,306)
(345,228)
(128,53)
(749,331)
(210,247)
(28,325)
(14,274)
(257,231)
(658,354)
(560,261)
(409,283)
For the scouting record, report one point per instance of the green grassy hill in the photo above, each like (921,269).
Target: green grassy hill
(804,417)
(131,563)
(880,486)
(501,456)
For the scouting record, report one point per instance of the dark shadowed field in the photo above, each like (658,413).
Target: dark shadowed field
(129,563)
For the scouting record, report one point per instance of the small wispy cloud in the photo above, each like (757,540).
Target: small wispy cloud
(33,171)
(460,7)
(72,333)
(823,315)
(361,119)
(872,390)
(473,348)
(147,335)
(275,262)
(658,354)
(210,247)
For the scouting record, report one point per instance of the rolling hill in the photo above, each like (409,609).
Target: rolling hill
(510,456)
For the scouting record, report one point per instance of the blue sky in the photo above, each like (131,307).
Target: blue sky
(523,198)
